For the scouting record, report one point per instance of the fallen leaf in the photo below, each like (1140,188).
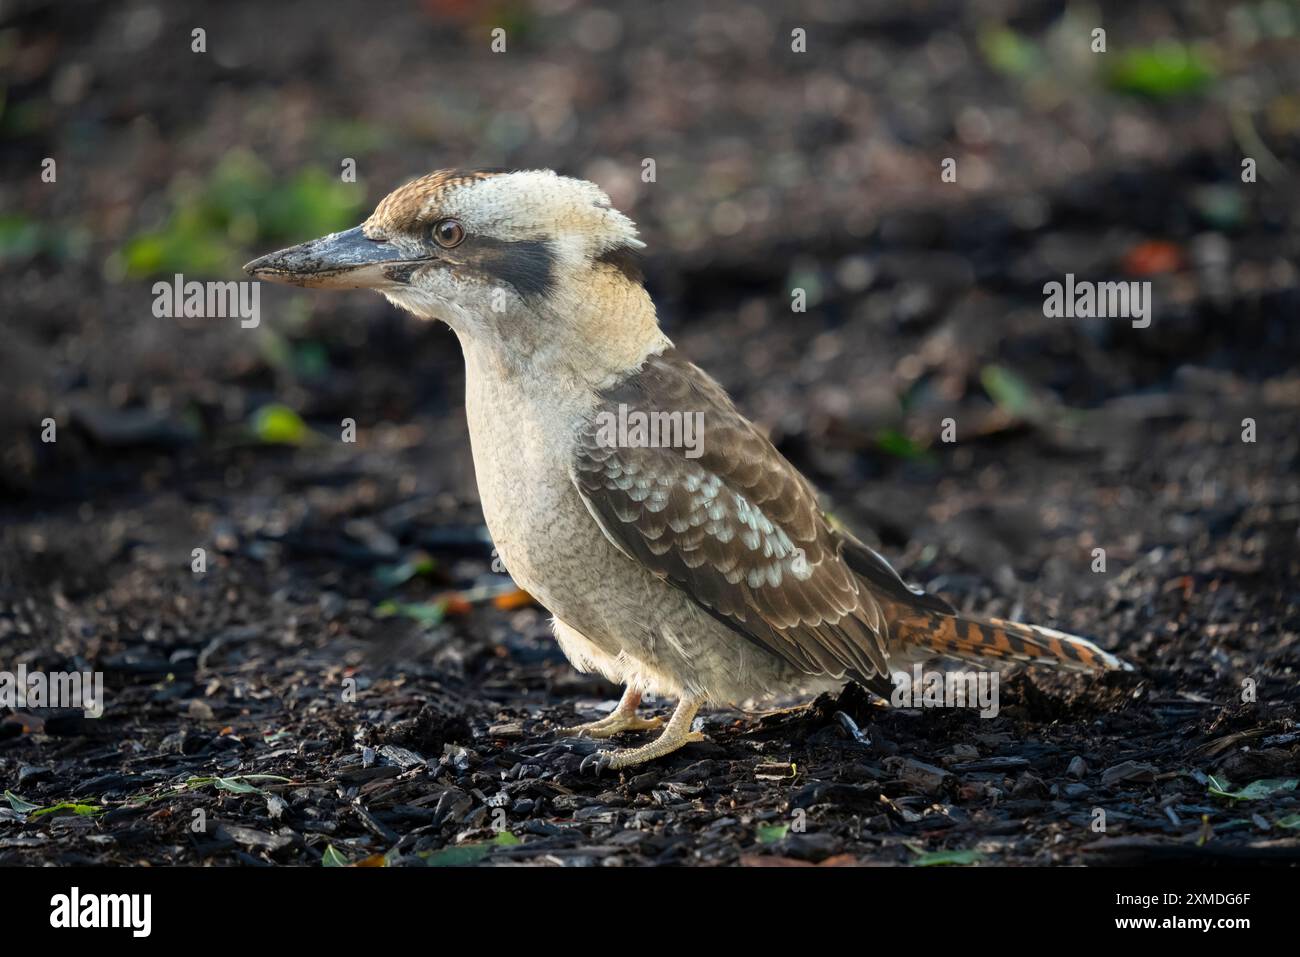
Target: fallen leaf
(19,805)
(277,424)
(944,858)
(332,858)
(512,600)
(1255,791)
(1153,258)
(84,810)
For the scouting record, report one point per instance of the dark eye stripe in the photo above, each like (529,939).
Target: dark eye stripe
(528,265)
(626,260)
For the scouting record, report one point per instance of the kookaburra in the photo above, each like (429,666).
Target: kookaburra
(707,574)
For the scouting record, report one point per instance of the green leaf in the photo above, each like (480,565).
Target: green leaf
(897,444)
(311,360)
(235,783)
(945,858)
(771,833)
(390,576)
(464,855)
(1255,791)
(427,613)
(1007,51)
(1166,70)
(1009,391)
(85,810)
(19,805)
(461,856)
(279,425)
(332,858)
(1291,822)
(20,237)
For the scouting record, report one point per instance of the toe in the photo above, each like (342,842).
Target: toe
(584,730)
(595,763)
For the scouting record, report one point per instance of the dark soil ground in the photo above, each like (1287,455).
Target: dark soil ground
(350,638)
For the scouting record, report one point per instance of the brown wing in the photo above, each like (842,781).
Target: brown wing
(728,521)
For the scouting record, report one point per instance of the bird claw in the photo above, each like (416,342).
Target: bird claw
(596,762)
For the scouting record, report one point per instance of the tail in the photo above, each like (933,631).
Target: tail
(925,633)
(925,626)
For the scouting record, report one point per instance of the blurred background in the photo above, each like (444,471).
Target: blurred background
(774,170)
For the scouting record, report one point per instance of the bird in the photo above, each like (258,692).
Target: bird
(704,572)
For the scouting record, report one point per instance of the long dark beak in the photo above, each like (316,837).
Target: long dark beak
(346,260)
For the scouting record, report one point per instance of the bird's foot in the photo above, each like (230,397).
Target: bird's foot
(622,718)
(627,757)
(611,725)
(676,734)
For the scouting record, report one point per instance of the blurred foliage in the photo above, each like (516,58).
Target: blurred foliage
(1007,51)
(426,613)
(306,359)
(805,275)
(1222,207)
(352,137)
(895,443)
(1252,22)
(1168,69)
(1008,391)
(22,238)
(279,425)
(391,576)
(1165,70)
(21,119)
(213,222)
(311,360)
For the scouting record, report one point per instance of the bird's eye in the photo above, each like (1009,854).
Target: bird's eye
(448,233)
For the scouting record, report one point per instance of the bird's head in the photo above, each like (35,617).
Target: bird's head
(525,264)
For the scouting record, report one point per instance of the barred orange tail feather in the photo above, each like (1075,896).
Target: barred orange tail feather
(919,633)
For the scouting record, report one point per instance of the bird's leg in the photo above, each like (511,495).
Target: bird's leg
(675,734)
(622,718)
